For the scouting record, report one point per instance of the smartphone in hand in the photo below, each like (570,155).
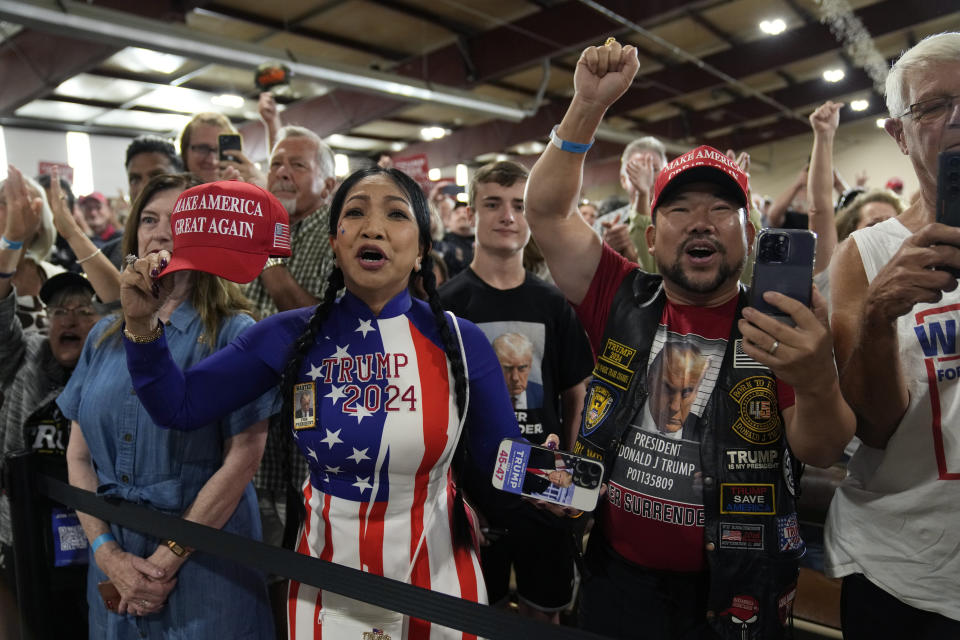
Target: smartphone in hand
(784,263)
(948,188)
(546,474)
(229,142)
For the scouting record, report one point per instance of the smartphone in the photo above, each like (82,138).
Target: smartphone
(546,474)
(784,264)
(229,142)
(948,188)
(110,595)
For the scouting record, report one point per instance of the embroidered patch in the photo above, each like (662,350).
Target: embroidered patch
(600,401)
(585,450)
(304,406)
(759,419)
(740,535)
(743,611)
(749,499)
(788,478)
(751,459)
(740,358)
(788,529)
(785,604)
(613,365)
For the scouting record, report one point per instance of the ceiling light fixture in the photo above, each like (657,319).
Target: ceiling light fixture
(834,75)
(859,105)
(341,165)
(881,123)
(229,100)
(434,174)
(773,27)
(112,27)
(462,176)
(149,60)
(432,133)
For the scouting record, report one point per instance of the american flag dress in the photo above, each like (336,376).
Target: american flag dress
(379,496)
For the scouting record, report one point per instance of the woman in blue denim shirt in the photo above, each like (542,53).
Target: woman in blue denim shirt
(203,475)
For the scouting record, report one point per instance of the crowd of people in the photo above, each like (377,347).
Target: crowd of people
(336,377)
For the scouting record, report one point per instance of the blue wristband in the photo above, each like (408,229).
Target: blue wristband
(10,244)
(564,145)
(100,539)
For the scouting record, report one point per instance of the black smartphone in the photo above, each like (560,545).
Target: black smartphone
(546,474)
(948,188)
(229,142)
(784,263)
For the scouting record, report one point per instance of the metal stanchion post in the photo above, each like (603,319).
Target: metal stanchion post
(27,544)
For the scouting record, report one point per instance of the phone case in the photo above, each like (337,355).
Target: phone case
(545,474)
(948,188)
(229,142)
(783,266)
(110,595)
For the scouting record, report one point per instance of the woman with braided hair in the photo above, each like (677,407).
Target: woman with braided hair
(393,383)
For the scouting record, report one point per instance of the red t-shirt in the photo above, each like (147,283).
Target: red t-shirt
(653,515)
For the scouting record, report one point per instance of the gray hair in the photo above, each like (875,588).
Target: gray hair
(325,159)
(940,47)
(38,248)
(646,143)
(515,344)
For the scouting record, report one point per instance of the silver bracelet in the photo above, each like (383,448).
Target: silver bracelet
(90,257)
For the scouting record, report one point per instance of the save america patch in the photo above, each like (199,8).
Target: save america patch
(747,499)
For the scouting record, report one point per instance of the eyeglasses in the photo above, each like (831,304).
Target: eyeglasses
(202,149)
(930,110)
(80,313)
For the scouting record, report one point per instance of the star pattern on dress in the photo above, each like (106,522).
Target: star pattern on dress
(315,372)
(362,413)
(341,352)
(335,393)
(359,455)
(313,454)
(366,326)
(363,484)
(330,469)
(333,437)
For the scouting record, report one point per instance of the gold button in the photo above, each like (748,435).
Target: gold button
(127,437)
(125,478)
(711,546)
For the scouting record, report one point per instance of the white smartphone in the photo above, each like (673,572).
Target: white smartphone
(545,474)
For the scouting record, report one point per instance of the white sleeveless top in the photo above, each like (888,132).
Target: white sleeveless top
(896,517)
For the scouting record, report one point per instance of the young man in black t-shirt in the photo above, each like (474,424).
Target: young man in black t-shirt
(546,359)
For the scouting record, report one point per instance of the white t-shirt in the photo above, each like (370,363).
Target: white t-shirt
(896,517)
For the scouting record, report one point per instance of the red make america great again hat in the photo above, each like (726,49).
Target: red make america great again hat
(703,164)
(228,228)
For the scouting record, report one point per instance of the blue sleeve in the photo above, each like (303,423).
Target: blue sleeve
(490,416)
(259,409)
(217,385)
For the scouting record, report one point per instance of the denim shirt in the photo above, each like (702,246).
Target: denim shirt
(134,458)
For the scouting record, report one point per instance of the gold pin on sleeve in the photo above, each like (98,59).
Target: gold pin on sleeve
(609,41)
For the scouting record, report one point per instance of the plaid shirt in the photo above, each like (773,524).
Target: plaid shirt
(30,377)
(310,264)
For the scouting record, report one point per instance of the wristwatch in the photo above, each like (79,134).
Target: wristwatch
(274,262)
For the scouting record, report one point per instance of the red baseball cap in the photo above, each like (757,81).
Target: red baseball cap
(96,195)
(703,164)
(228,228)
(895,184)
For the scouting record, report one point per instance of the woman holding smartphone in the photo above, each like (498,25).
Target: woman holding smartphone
(390,382)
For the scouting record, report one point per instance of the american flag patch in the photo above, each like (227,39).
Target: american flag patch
(741,360)
(281,236)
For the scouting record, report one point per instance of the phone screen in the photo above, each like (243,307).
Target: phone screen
(545,474)
(229,142)
(948,188)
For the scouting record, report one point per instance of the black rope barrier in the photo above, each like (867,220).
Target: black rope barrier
(439,608)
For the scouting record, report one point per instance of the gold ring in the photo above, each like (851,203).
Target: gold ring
(611,40)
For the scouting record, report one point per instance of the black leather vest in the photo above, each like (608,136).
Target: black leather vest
(752,556)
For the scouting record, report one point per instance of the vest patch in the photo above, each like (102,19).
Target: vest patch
(759,419)
(748,499)
(613,365)
(600,401)
(741,535)
(751,459)
(788,530)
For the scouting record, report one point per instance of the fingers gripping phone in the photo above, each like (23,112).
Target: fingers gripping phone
(545,474)
(229,142)
(784,263)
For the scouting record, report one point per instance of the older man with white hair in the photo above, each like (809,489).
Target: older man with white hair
(894,526)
